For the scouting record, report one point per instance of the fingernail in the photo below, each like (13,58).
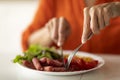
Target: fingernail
(59,44)
(83,41)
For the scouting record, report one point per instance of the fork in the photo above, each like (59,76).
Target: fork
(75,51)
(62,56)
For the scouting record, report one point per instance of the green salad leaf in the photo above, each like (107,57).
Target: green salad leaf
(39,52)
(19,59)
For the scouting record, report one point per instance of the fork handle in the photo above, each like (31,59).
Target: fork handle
(90,35)
(75,51)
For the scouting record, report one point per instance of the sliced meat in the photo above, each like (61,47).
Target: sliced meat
(50,62)
(59,69)
(43,61)
(54,63)
(37,64)
(48,68)
(54,69)
(28,64)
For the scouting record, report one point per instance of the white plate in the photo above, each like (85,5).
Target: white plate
(100,60)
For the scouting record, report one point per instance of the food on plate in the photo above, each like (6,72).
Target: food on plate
(48,59)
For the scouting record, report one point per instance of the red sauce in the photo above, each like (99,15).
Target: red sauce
(81,63)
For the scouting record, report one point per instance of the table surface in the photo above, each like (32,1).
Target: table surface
(110,71)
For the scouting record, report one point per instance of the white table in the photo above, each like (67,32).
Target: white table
(110,71)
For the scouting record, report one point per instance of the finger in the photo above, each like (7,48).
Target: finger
(49,26)
(100,18)
(86,25)
(54,32)
(107,14)
(61,31)
(66,28)
(94,21)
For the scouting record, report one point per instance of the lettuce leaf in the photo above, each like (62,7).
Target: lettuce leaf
(39,52)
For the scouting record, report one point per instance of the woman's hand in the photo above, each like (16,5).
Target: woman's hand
(59,30)
(98,17)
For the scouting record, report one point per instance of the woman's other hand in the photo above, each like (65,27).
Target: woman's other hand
(98,17)
(59,30)
(55,30)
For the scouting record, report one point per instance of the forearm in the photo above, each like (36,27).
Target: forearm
(41,37)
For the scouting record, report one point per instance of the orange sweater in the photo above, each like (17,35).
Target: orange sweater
(108,41)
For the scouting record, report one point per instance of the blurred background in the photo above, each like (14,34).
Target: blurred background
(15,16)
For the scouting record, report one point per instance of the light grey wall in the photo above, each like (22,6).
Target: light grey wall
(15,16)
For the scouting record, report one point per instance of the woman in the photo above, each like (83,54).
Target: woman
(63,22)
